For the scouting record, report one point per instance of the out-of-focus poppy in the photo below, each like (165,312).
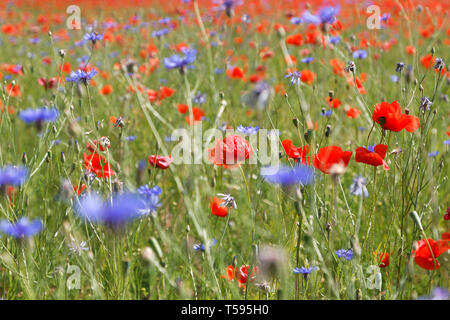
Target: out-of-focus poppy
(235,73)
(335,103)
(296,39)
(295,153)
(107,89)
(427,259)
(383,260)
(329,156)
(13,90)
(389,116)
(307,76)
(197,115)
(351,112)
(372,155)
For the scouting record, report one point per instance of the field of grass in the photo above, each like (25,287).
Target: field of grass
(87,212)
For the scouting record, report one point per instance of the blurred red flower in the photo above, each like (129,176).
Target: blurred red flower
(230,151)
(389,116)
(424,257)
(329,156)
(373,156)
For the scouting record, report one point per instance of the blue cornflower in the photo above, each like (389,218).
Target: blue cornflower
(200,98)
(218,71)
(43,114)
(93,37)
(34,40)
(130,138)
(177,62)
(346,254)
(307,60)
(246,18)
(247,130)
(305,271)
(299,174)
(22,228)
(112,212)
(334,40)
(385,17)
(425,103)
(13,176)
(296,20)
(81,76)
(433,154)
(309,18)
(326,113)
(150,197)
(165,20)
(327,14)
(437,294)
(201,246)
(160,33)
(359,54)
(358,187)
(371,148)
(399,67)
(446,141)
(395,78)
(295,77)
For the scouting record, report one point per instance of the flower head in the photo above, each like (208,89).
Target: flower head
(284,175)
(358,187)
(346,254)
(13,176)
(22,228)
(43,114)
(93,37)
(81,76)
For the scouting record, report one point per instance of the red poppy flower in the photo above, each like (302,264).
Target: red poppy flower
(447,214)
(160,161)
(410,50)
(307,76)
(423,256)
(293,152)
(296,39)
(13,90)
(183,108)
(165,92)
(197,115)
(230,151)
(329,156)
(427,60)
(338,66)
(352,113)
(217,209)
(235,73)
(231,273)
(335,103)
(107,89)
(79,188)
(98,165)
(372,155)
(243,275)
(389,116)
(383,260)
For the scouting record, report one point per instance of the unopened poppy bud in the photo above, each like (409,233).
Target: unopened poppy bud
(62,53)
(296,122)
(416,219)
(48,158)
(24,158)
(421,88)
(50,34)
(308,135)
(213,182)
(331,95)
(54,130)
(328,228)
(416,82)
(406,111)
(358,294)
(221,95)
(328,131)
(433,50)
(188,228)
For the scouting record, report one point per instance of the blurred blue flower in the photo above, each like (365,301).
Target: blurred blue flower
(358,187)
(114,212)
(22,228)
(395,78)
(346,254)
(201,246)
(150,197)
(93,37)
(175,61)
(305,271)
(437,294)
(43,114)
(359,54)
(81,76)
(285,175)
(433,154)
(295,77)
(247,130)
(13,176)
(307,60)
(334,40)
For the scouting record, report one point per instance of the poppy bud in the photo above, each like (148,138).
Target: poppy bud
(406,111)
(54,129)
(358,294)
(328,228)
(328,131)
(221,95)
(421,88)
(331,95)
(213,182)
(281,32)
(433,50)
(24,158)
(296,122)
(63,157)
(308,135)
(50,34)
(62,53)
(188,228)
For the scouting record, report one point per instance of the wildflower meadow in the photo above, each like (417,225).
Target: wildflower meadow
(224,150)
